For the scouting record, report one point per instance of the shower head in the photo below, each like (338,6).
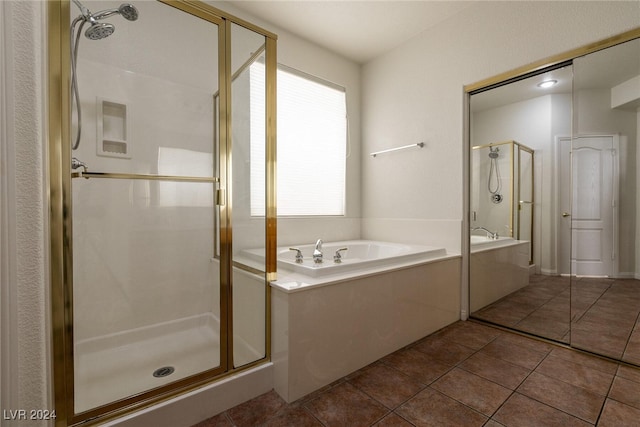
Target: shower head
(99,30)
(493,154)
(127,10)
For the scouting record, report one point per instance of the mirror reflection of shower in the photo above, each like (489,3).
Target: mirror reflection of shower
(494,176)
(96,31)
(504,172)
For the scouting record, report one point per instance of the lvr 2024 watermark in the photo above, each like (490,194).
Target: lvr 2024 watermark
(28,414)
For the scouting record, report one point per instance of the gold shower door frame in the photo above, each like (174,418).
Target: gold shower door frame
(60,205)
(515,207)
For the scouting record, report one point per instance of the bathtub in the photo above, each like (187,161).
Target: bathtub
(331,319)
(497,268)
(360,255)
(480,243)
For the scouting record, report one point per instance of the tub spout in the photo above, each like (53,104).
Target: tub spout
(490,234)
(317,252)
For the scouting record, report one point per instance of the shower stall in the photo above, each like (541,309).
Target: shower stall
(158,121)
(503,191)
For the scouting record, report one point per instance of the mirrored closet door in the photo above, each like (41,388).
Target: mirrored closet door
(574,277)
(605,292)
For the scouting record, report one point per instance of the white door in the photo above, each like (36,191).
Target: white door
(594,195)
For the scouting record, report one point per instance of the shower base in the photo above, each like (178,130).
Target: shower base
(120,365)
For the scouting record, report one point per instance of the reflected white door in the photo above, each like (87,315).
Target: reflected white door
(592,218)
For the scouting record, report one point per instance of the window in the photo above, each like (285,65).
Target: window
(312,144)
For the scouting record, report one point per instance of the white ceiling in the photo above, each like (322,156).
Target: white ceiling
(364,29)
(358,30)
(594,71)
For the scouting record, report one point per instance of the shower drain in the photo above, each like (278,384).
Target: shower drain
(163,372)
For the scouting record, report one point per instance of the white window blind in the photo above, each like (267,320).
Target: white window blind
(312,144)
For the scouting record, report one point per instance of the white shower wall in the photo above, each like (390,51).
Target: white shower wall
(143,249)
(135,264)
(494,216)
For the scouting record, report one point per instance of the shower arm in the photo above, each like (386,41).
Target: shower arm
(85,12)
(93,17)
(105,14)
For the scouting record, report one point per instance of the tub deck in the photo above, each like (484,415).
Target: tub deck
(363,258)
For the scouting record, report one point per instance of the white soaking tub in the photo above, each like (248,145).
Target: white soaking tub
(360,255)
(331,319)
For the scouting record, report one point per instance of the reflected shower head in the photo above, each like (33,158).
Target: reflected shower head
(493,154)
(99,30)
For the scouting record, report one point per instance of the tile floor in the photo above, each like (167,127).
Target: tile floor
(598,315)
(466,374)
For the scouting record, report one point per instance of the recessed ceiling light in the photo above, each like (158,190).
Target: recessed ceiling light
(547,84)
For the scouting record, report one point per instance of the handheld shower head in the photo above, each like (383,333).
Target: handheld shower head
(99,30)
(493,154)
(96,31)
(127,10)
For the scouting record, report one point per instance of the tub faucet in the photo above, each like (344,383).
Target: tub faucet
(337,257)
(317,252)
(299,257)
(490,234)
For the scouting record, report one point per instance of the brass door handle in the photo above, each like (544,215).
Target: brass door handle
(565,214)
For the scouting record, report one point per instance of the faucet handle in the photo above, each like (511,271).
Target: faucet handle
(299,257)
(337,257)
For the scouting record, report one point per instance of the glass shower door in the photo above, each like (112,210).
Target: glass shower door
(147,308)
(525,199)
(248,189)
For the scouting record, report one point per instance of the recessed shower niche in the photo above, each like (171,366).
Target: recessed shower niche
(113,121)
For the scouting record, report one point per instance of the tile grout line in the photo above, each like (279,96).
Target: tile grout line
(607,396)
(592,304)
(633,328)
(515,390)
(457,365)
(558,409)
